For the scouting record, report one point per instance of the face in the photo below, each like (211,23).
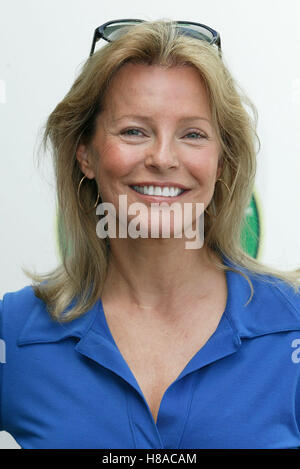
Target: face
(155,130)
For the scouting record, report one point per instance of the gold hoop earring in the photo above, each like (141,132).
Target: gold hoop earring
(221,180)
(78,197)
(229,192)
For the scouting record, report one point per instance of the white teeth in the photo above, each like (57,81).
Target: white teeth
(157,190)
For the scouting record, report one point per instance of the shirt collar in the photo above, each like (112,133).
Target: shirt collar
(273,308)
(39,327)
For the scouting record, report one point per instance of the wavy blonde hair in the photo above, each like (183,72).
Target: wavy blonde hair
(82,272)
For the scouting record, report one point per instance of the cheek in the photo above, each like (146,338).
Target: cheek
(116,160)
(203,165)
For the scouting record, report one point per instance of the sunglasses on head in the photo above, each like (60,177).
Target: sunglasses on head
(112,30)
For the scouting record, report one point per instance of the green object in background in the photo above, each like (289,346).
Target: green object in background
(251,233)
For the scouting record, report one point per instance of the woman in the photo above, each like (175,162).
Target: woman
(140,342)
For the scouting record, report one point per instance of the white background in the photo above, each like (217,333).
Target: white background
(43,43)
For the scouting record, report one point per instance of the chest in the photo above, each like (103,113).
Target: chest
(71,394)
(157,351)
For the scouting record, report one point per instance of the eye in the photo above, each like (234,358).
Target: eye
(131,132)
(196,135)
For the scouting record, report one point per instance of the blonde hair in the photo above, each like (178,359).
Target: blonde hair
(82,273)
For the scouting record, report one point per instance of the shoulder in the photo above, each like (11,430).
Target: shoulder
(16,306)
(18,310)
(275,292)
(24,296)
(271,306)
(287,294)
(25,319)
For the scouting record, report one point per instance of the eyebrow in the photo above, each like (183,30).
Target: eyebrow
(149,119)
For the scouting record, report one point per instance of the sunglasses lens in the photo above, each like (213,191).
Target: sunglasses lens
(198,32)
(116,30)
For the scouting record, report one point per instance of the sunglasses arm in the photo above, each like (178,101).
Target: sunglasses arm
(96,38)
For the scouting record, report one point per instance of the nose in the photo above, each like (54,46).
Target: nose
(162,155)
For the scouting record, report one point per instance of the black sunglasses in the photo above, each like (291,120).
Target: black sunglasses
(114,29)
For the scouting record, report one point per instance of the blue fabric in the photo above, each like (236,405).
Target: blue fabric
(68,386)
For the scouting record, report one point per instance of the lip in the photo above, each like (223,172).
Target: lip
(161,184)
(158,198)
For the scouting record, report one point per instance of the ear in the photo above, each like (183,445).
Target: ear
(85,161)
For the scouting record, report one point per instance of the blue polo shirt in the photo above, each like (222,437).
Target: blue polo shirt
(68,386)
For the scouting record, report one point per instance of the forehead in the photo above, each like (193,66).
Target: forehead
(158,89)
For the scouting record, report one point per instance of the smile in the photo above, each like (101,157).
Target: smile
(159,191)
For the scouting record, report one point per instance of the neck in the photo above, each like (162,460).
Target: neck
(159,275)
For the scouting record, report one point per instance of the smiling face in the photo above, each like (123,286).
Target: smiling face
(155,129)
